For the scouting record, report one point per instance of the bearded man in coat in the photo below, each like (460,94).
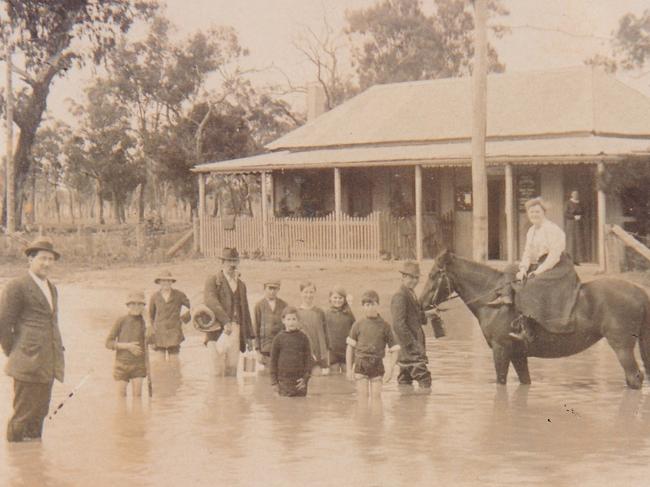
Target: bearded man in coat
(30,337)
(225,295)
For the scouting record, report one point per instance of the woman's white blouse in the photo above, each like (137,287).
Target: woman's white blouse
(547,239)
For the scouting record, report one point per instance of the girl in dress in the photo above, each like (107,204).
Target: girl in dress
(312,320)
(338,322)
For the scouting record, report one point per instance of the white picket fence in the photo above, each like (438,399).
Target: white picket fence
(296,238)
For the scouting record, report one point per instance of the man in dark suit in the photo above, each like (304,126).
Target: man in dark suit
(408,320)
(30,337)
(225,294)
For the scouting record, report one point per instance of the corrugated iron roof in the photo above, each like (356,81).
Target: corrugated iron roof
(544,150)
(561,102)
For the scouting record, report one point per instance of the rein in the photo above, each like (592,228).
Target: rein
(453,294)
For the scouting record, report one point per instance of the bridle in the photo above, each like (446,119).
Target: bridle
(442,277)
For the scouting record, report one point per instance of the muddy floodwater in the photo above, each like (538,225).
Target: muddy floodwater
(576,425)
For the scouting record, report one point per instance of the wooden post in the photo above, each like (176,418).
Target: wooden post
(9,149)
(418,212)
(510,214)
(201,210)
(265,229)
(479,128)
(337,210)
(601,221)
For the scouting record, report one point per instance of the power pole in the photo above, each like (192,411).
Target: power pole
(9,179)
(479,127)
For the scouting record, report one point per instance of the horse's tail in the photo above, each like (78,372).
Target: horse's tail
(644,337)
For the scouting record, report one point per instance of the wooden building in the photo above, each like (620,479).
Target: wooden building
(388,173)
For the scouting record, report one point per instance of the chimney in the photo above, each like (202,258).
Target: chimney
(316,100)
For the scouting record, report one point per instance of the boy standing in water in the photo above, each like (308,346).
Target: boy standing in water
(165,316)
(268,320)
(127,338)
(366,349)
(291,359)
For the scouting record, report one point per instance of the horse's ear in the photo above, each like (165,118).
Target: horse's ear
(443,257)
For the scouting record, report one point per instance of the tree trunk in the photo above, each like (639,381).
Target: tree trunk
(99,203)
(57,206)
(28,119)
(71,205)
(141,201)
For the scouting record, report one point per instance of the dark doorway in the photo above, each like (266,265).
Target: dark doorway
(359,192)
(495,211)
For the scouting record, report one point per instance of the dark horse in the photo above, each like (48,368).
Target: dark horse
(606,307)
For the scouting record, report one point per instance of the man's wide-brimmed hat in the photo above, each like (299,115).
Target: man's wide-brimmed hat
(229,254)
(42,243)
(203,319)
(164,276)
(135,297)
(410,268)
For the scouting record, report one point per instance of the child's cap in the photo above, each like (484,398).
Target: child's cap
(289,310)
(136,297)
(273,283)
(370,296)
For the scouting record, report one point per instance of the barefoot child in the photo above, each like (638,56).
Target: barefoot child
(268,320)
(338,322)
(366,349)
(291,358)
(312,322)
(165,319)
(127,338)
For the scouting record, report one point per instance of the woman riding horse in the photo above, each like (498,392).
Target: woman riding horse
(549,282)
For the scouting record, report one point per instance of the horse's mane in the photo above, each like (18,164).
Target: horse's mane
(479,269)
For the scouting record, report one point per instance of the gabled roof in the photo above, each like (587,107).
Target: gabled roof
(570,101)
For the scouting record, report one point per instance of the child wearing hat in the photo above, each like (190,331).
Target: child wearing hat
(366,348)
(338,322)
(268,320)
(127,338)
(291,357)
(165,319)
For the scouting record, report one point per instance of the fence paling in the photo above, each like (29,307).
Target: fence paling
(300,238)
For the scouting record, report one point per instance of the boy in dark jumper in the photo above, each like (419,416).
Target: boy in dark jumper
(366,349)
(127,338)
(291,359)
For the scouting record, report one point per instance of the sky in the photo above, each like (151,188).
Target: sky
(545,34)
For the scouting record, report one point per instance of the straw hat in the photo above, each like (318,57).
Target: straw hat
(203,319)
(164,276)
(42,243)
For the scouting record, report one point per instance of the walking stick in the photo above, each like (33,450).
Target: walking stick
(148,368)
(72,393)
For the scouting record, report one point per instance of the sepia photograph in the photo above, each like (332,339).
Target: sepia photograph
(324,243)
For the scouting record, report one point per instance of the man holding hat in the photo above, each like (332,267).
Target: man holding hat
(30,337)
(408,319)
(225,295)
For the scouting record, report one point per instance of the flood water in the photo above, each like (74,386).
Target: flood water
(576,425)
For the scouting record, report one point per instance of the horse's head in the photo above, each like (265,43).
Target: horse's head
(438,286)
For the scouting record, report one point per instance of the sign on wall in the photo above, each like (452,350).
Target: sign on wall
(463,198)
(528,186)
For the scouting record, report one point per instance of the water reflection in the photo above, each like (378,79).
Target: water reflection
(576,425)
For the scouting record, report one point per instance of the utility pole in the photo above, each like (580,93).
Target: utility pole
(9,179)
(479,128)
